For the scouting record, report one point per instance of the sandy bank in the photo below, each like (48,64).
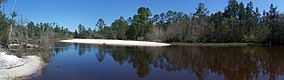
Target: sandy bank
(216,44)
(13,66)
(116,42)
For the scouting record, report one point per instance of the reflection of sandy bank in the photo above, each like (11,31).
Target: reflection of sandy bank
(31,65)
(116,42)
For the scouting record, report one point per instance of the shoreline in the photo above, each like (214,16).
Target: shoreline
(156,44)
(116,42)
(218,44)
(30,66)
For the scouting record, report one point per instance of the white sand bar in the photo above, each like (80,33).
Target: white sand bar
(116,42)
(13,67)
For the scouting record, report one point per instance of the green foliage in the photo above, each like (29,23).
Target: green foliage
(76,34)
(106,33)
(201,11)
(119,28)
(82,31)
(100,24)
(52,30)
(274,20)
(236,24)
(3,29)
(140,25)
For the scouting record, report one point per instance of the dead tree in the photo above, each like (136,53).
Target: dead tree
(14,14)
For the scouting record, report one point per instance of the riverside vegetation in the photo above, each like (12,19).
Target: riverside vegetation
(236,24)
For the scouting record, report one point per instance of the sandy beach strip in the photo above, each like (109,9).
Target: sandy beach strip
(33,64)
(116,42)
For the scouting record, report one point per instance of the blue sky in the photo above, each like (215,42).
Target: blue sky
(70,13)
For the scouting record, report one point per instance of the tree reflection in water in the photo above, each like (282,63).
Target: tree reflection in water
(233,63)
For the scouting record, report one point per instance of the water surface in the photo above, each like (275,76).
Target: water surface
(96,62)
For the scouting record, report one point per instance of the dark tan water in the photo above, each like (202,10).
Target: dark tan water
(95,62)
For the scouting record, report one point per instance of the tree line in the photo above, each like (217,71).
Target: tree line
(33,33)
(238,23)
(20,32)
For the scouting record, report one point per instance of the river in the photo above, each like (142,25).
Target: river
(97,62)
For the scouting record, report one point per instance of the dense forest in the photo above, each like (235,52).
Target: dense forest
(31,33)
(238,23)
(14,31)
